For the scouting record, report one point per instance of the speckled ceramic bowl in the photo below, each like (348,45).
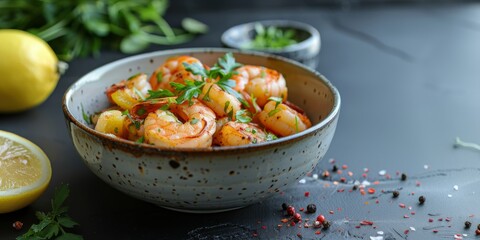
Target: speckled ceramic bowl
(202,180)
(305,51)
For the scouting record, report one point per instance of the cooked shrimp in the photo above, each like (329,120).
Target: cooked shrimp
(163,127)
(221,102)
(128,92)
(260,82)
(111,122)
(235,134)
(173,70)
(282,119)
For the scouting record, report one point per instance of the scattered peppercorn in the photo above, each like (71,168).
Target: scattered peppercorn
(321,218)
(403,177)
(335,168)
(421,199)
(354,187)
(290,210)
(326,225)
(297,217)
(395,194)
(468,224)
(284,206)
(311,208)
(17,225)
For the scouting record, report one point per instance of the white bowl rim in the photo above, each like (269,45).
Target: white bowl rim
(152,149)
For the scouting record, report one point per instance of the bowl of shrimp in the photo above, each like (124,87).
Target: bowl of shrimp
(201,129)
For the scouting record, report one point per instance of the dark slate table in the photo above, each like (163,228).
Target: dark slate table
(409,77)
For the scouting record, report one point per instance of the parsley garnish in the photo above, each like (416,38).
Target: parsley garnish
(243,116)
(136,123)
(133,76)
(140,140)
(53,224)
(194,121)
(159,77)
(191,89)
(160,93)
(270,136)
(85,116)
(277,101)
(222,71)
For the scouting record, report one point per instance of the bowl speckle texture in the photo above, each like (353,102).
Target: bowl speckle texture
(202,180)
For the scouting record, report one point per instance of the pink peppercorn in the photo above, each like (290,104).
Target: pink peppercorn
(297,217)
(321,218)
(290,210)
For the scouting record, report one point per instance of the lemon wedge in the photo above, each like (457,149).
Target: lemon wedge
(25,172)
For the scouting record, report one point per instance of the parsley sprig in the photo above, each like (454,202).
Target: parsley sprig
(53,224)
(222,72)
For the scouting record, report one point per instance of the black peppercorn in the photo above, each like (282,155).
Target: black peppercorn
(395,194)
(478,227)
(335,168)
(354,187)
(468,224)
(311,208)
(403,177)
(284,206)
(421,199)
(326,225)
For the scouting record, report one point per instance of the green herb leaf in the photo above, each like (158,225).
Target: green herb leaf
(191,89)
(59,197)
(194,121)
(271,37)
(85,116)
(243,116)
(194,26)
(140,140)
(53,224)
(196,68)
(270,136)
(160,93)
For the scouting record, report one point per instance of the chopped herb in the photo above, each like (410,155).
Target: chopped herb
(141,111)
(254,102)
(254,140)
(194,121)
(115,129)
(54,224)
(207,95)
(270,136)
(243,116)
(196,69)
(85,116)
(159,77)
(271,37)
(160,93)
(460,143)
(296,124)
(136,123)
(277,101)
(134,76)
(227,104)
(140,140)
(274,111)
(139,94)
(263,73)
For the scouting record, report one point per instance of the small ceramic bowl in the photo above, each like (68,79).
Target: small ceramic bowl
(202,180)
(306,49)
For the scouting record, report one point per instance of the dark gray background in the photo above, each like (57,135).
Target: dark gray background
(409,77)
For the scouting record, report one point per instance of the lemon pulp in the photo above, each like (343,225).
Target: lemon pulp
(25,172)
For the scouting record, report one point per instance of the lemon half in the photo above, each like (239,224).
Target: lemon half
(29,70)
(25,172)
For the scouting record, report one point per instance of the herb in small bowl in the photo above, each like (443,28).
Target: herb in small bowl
(291,39)
(272,37)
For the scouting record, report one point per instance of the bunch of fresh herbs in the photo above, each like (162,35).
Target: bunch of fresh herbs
(82,27)
(53,224)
